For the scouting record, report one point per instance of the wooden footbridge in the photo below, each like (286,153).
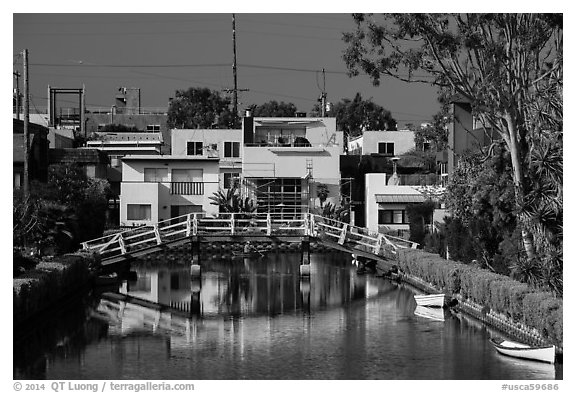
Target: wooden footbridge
(242,227)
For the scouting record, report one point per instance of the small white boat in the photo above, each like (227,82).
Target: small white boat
(430,300)
(510,348)
(436,314)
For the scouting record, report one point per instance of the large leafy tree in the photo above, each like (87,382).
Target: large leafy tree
(356,115)
(200,107)
(509,66)
(359,115)
(274,109)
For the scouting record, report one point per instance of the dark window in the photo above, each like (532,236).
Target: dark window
(392,217)
(231,179)
(386,148)
(231,149)
(194,148)
(139,212)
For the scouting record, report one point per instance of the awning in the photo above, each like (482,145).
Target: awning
(399,198)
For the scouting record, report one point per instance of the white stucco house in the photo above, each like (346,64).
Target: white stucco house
(156,188)
(286,160)
(224,144)
(385,143)
(386,204)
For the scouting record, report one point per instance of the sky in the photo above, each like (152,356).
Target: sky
(280,56)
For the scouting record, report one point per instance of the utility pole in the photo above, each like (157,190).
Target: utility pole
(323,94)
(235,90)
(26,184)
(17,75)
(235,96)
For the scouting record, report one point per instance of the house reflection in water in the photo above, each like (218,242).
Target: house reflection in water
(242,287)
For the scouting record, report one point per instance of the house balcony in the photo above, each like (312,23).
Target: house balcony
(430,179)
(187,188)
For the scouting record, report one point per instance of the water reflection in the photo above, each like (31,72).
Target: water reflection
(269,286)
(256,319)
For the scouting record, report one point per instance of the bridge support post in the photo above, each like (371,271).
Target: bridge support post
(305,257)
(195,251)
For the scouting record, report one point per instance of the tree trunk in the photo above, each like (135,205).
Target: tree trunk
(518,172)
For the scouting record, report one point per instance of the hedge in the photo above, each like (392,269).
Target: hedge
(532,307)
(48,283)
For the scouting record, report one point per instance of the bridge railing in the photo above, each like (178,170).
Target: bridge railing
(357,238)
(247,224)
(226,224)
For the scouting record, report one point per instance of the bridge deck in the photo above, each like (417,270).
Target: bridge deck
(136,242)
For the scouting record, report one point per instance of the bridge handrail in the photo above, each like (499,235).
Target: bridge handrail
(241,223)
(365,233)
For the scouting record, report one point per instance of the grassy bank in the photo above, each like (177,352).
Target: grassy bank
(48,283)
(494,292)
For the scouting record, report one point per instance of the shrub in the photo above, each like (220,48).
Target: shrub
(536,309)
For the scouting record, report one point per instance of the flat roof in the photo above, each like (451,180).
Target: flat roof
(169,158)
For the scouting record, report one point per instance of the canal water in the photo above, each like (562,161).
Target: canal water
(256,319)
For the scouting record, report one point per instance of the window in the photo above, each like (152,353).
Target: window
(194,148)
(101,127)
(392,217)
(231,179)
(139,212)
(231,149)
(180,210)
(280,195)
(386,148)
(443,168)
(186,175)
(153,127)
(155,175)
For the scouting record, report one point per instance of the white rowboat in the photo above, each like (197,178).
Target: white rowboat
(430,300)
(517,350)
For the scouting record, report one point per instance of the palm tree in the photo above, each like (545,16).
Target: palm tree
(231,201)
(322,193)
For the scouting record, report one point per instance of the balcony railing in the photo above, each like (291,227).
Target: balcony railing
(430,179)
(187,188)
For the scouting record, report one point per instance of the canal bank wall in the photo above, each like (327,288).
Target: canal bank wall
(527,314)
(43,287)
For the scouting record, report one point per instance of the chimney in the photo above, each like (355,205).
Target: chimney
(248,128)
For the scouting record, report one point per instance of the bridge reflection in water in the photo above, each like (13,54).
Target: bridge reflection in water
(256,319)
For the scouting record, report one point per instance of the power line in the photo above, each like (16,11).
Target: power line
(123,33)
(257,66)
(121,21)
(85,65)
